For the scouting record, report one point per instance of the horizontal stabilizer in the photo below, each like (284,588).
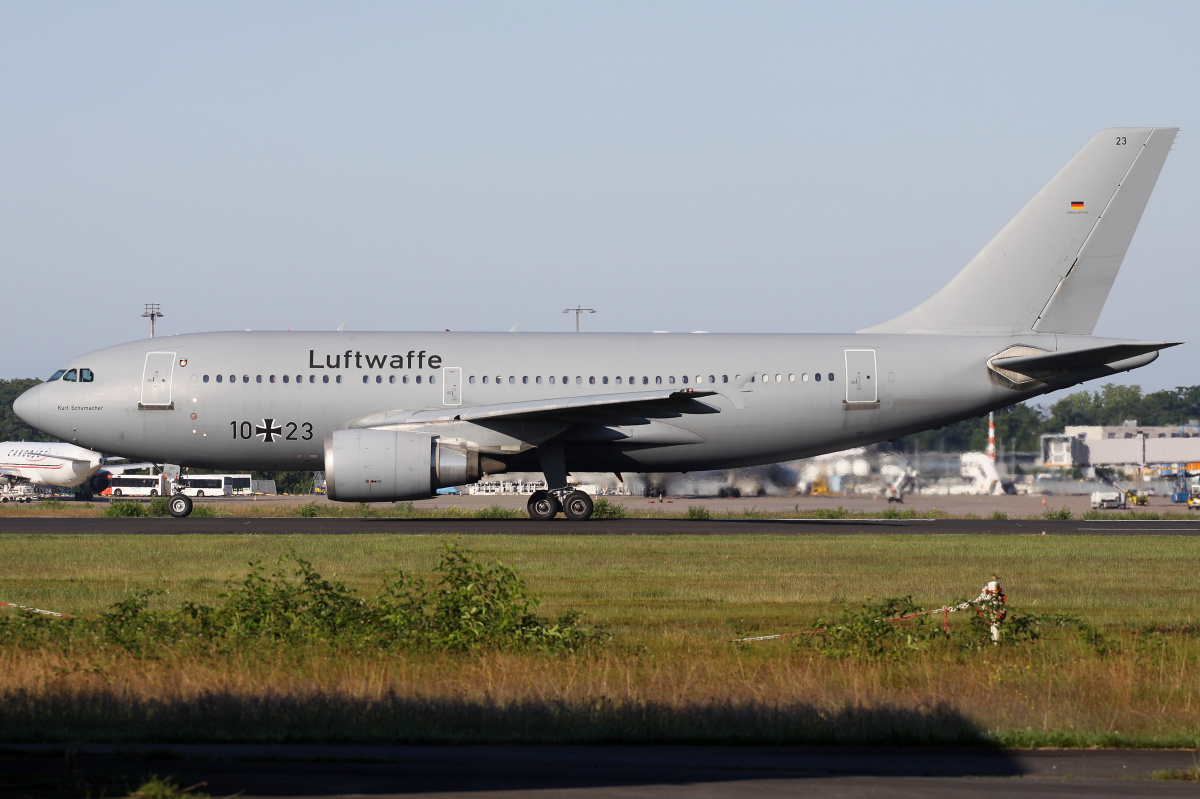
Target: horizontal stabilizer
(1082,358)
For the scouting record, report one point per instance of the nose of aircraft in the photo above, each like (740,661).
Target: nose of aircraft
(28,406)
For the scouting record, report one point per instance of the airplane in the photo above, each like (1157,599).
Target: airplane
(47,464)
(395,416)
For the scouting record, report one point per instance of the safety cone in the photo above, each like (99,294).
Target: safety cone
(1043,500)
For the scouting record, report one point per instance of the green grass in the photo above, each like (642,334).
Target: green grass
(670,673)
(704,583)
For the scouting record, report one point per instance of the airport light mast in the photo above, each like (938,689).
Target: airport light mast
(153,313)
(577,311)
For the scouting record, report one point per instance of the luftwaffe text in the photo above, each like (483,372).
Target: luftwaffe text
(353,359)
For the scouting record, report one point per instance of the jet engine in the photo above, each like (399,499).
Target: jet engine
(387,466)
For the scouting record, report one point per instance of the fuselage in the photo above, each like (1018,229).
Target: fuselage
(48,464)
(267,400)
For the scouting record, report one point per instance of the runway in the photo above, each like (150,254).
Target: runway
(562,526)
(282,770)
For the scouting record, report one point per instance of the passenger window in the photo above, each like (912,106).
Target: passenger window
(604,380)
(671,379)
(831,377)
(378,379)
(391,379)
(817,377)
(511,380)
(712,378)
(699,379)
(432,379)
(778,378)
(566,380)
(551,379)
(70,376)
(804,377)
(365,379)
(258,378)
(538,380)
(404,379)
(57,375)
(324,378)
(418,378)
(645,380)
(578,380)
(206,378)
(285,378)
(658,380)
(791,378)
(471,379)
(272,378)
(485,378)
(724,378)
(338,379)
(299,378)
(312,378)
(618,381)
(684,379)
(245,378)
(85,375)
(525,380)
(592,380)
(219,379)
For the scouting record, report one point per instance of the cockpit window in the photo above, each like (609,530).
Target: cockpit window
(70,376)
(85,375)
(57,375)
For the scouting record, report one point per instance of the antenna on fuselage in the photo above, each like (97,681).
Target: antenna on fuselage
(153,313)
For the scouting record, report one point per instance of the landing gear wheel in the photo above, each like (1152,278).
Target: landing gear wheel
(180,506)
(543,506)
(578,506)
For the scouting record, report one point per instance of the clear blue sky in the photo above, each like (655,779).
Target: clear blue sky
(744,167)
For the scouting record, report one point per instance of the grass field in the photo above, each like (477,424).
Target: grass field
(670,673)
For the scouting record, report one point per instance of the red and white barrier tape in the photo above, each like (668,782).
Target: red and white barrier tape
(37,610)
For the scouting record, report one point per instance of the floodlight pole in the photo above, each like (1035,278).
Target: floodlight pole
(577,311)
(153,313)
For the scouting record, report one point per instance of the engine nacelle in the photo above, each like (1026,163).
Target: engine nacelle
(387,466)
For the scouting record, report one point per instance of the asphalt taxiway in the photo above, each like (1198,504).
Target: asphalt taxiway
(296,770)
(673,526)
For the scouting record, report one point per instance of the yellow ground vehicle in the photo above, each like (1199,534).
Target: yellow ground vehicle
(1193,502)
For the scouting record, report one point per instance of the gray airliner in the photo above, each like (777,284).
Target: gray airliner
(395,416)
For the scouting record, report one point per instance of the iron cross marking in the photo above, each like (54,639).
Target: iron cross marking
(268,431)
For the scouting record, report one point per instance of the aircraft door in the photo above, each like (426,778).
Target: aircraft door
(452,385)
(156,382)
(861,380)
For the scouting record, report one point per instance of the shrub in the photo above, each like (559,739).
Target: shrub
(829,513)
(496,512)
(603,509)
(204,512)
(999,516)
(124,508)
(307,511)
(470,607)
(1060,514)
(698,512)
(53,504)
(159,506)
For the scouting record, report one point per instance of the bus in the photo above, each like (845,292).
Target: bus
(207,485)
(138,485)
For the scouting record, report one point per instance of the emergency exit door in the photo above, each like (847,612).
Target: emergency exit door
(861,380)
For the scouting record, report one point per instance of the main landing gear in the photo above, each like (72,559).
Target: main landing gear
(545,505)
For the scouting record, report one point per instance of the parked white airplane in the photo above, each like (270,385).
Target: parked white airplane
(393,416)
(58,465)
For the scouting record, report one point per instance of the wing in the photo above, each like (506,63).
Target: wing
(663,403)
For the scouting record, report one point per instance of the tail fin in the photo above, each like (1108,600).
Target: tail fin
(1050,269)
